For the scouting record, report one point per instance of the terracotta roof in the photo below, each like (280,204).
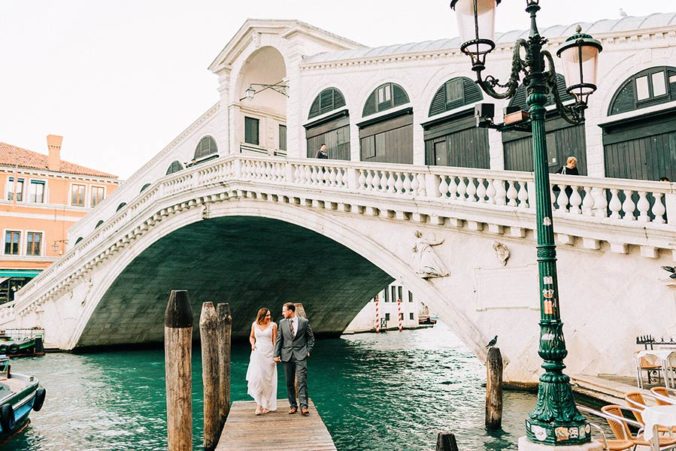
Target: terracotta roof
(16,156)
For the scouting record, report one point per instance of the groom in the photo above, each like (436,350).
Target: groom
(293,346)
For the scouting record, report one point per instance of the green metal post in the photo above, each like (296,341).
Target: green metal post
(555,419)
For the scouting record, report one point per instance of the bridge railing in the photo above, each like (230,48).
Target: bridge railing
(614,201)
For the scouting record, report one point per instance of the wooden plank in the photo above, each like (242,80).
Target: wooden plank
(275,430)
(603,388)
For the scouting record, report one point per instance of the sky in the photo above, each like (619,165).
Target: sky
(119,79)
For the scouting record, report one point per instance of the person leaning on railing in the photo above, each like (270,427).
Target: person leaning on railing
(570,168)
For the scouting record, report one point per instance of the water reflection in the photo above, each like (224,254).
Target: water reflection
(374,392)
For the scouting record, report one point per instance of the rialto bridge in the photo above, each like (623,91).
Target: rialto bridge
(258,231)
(222,212)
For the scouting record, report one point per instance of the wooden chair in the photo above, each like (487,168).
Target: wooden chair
(615,444)
(662,392)
(621,428)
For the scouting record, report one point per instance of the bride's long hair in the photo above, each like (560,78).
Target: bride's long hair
(260,316)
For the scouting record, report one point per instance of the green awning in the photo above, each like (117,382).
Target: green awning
(19,273)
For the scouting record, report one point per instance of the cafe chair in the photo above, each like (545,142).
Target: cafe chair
(637,400)
(612,444)
(621,428)
(662,396)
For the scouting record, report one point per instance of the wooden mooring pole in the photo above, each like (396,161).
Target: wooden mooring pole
(178,370)
(494,389)
(224,350)
(446,442)
(210,379)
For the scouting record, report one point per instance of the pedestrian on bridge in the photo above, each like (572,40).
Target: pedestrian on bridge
(322,153)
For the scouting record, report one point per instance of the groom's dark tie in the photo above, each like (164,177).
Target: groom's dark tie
(293,332)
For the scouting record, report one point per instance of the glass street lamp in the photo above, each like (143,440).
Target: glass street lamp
(555,419)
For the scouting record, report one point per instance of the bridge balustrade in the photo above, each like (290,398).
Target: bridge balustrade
(615,202)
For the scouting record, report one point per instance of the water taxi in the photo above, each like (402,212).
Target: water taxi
(19,394)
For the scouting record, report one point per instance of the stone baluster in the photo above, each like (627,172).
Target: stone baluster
(462,188)
(562,199)
(361,178)
(523,195)
(643,207)
(399,183)
(588,201)
(390,182)
(575,201)
(407,184)
(658,209)
(481,190)
(383,181)
(628,206)
(443,186)
(368,180)
(490,191)
(511,194)
(615,204)
(452,188)
(471,190)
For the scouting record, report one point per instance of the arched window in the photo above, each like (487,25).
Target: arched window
(98,223)
(455,140)
(144,187)
(563,139)
(78,239)
(455,93)
(121,206)
(328,100)
(384,97)
(175,166)
(646,88)
(642,146)
(206,147)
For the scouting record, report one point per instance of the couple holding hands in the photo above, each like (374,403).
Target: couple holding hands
(290,344)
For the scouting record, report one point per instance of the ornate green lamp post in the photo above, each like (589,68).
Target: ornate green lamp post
(555,419)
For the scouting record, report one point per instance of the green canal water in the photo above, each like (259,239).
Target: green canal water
(391,391)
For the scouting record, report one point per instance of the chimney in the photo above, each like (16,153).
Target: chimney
(54,147)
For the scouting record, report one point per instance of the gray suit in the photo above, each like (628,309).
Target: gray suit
(294,351)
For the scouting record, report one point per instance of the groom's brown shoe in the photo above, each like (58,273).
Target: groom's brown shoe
(304,411)
(293,410)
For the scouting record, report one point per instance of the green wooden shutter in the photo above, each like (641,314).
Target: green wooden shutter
(251,130)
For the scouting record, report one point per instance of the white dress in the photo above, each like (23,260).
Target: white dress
(262,373)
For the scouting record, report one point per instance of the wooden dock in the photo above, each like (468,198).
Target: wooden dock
(275,430)
(605,388)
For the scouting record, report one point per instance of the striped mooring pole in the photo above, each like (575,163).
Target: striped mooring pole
(400,315)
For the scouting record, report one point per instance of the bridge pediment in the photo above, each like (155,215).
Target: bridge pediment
(258,32)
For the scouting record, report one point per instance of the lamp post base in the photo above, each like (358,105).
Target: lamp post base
(525,445)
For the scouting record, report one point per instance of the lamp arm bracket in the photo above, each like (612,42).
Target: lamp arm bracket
(489,83)
(572,114)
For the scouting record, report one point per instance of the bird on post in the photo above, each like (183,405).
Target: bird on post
(492,342)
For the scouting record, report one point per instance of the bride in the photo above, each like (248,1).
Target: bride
(262,373)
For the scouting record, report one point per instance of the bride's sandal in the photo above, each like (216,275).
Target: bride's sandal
(258,411)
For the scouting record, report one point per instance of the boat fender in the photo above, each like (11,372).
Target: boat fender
(7,418)
(40,394)
(13,348)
